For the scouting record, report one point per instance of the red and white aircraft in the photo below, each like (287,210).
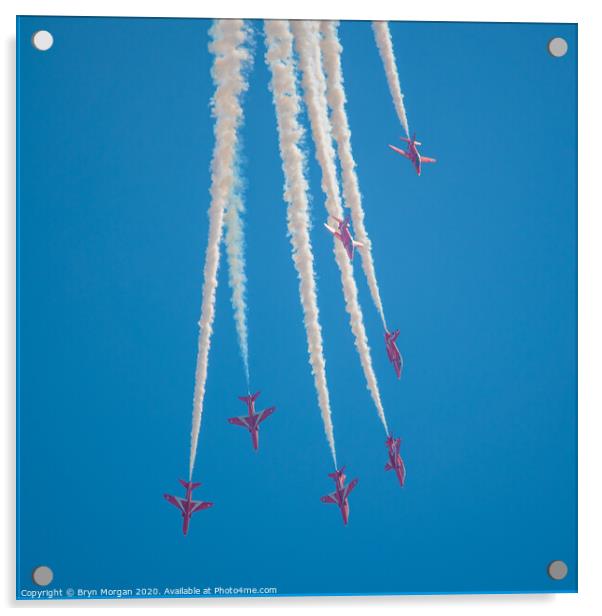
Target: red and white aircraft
(341,494)
(393,352)
(412,154)
(342,233)
(395,462)
(186,505)
(252,420)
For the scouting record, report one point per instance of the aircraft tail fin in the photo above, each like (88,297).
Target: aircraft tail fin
(336,473)
(250,397)
(388,466)
(192,485)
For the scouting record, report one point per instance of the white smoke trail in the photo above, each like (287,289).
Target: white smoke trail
(385,48)
(279,58)
(231,58)
(307,42)
(235,253)
(331,55)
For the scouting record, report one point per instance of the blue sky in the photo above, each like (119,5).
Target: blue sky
(476,261)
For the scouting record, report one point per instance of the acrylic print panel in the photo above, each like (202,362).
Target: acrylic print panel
(174,179)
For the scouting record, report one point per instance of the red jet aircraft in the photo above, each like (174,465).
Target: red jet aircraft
(186,505)
(412,154)
(252,420)
(342,233)
(395,462)
(393,352)
(341,494)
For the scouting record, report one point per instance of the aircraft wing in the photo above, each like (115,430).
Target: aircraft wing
(238,421)
(350,488)
(329,498)
(199,505)
(426,159)
(333,231)
(174,500)
(265,414)
(399,151)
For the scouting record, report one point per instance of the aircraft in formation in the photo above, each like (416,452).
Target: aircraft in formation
(395,462)
(342,233)
(412,154)
(186,505)
(341,493)
(252,420)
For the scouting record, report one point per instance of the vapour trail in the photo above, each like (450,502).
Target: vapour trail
(307,43)
(279,58)
(231,57)
(385,48)
(237,278)
(331,55)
